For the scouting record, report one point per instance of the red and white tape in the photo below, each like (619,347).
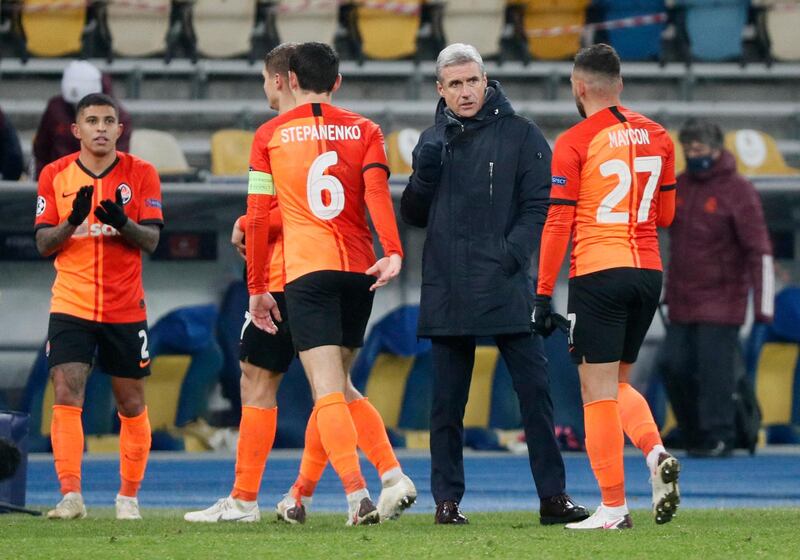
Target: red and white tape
(402,8)
(635,21)
(141,5)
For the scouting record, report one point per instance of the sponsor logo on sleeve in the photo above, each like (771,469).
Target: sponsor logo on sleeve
(152,203)
(559,181)
(41,205)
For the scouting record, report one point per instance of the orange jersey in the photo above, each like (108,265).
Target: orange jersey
(326,166)
(98,273)
(276,275)
(612,171)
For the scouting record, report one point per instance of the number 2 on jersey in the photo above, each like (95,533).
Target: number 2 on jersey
(649,164)
(317,183)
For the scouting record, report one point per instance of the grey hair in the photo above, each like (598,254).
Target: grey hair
(456,54)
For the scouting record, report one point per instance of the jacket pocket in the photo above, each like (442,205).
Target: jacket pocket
(508,263)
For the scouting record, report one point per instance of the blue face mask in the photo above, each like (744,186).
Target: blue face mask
(699,164)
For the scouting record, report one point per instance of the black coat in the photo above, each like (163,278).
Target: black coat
(484,220)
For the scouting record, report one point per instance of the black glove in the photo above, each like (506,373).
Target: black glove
(112,213)
(543,320)
(429,162)
(81,206)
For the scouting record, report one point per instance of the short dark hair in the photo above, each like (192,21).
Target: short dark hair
(600,59)
(96,99)
(703,131)
(316,66)
(276,61)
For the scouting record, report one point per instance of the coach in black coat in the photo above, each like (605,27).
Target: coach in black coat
(481,184)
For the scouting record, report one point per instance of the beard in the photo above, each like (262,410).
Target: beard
(581,109)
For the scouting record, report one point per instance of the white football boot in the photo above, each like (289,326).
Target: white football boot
(666,494)
(226,509)
(70,507)
(608,518)
(361,510)
(127,507)
(291,510)
(396,498)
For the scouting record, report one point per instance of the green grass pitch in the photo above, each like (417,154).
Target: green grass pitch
(706,534)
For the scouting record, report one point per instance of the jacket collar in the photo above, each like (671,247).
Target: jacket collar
(495,106)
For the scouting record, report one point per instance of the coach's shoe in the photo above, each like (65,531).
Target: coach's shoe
(397,498)
(560,509)
(290,510)
(127,507)
(608,518)
(666,495)
(362,511)
(70,507)
(226,509)
(448,513)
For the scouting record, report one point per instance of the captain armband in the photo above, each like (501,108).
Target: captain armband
(259,182)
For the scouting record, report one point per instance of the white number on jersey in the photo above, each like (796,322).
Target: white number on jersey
(605,212)
(317,183)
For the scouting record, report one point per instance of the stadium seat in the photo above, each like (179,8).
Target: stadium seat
(298,21)
(715,28)
(388,32)
(775,378)
(161,149)
(782,23)
(546,14)
(642,42)
(223,27)
(757,153)
(476,22)
(53,28)
(138,30)
(230,151)
(399,146)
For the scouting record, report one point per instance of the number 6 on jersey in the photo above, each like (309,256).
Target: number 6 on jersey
(317,183)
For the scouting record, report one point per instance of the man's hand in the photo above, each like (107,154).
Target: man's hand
(386,269)
(112,213)
(543,320)
(429,162)
(81,206)
(264,312)
(237,239)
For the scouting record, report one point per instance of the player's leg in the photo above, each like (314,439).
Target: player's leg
(123,353)
(71,346)
(597,310)
(263,360)
(635,415)
(314,302)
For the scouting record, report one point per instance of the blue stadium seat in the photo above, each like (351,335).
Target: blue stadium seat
(633,43)
(715,28)
(772,360)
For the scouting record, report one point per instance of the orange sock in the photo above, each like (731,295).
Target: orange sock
(66,435)
(339,438)
(313,463)
(256,436)
(372,437)
(637,420)
(134,447)
(604,444)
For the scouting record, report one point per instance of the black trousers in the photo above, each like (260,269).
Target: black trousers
(453,359)
(701,365)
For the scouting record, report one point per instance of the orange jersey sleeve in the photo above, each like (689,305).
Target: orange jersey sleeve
(46,209)
(260,191)
(150,210)
(377,194)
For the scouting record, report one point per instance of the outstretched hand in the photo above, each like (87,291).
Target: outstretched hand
(264,312)
(385,269)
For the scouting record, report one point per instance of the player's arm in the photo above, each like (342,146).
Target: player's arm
(378,198)
(666,191)
(533,184)
(237,235)
(51,231)
(145,237)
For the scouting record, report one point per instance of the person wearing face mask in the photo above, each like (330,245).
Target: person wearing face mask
(54,138)
(719,252)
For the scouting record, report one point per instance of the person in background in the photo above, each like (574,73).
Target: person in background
(719,252)
(54,138)
(11,162)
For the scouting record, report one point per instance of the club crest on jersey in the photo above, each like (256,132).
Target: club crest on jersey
(559,181)
(41,204)
(125,190)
